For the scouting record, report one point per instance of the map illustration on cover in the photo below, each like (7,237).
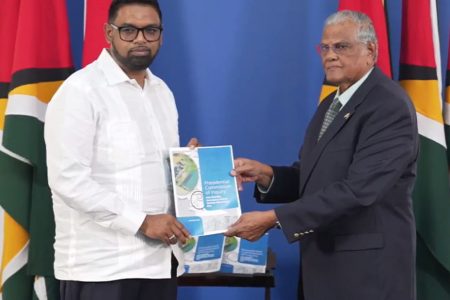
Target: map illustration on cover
(205,194)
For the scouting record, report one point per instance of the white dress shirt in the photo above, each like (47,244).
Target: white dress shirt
(107,153)
(348,93)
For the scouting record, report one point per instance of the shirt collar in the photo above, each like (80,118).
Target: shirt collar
(345,96)
(114,74)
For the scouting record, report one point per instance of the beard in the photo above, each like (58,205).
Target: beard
(134,62)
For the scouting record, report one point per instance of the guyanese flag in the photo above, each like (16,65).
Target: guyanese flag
(419,77)
(15,175)
(447,108)
(96,12)
(38,51)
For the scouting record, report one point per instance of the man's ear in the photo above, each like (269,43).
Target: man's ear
(372,48)
(108,31)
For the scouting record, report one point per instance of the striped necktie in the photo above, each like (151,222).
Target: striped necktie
(331,113)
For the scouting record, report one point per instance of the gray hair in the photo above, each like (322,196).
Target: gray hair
(366,31)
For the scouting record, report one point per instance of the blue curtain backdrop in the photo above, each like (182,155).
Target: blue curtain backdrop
(246,73)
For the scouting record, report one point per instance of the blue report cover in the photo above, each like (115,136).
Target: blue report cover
(203,254)
(245,257)
(205,194)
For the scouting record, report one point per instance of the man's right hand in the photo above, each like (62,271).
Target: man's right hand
(247,170)
(164,227)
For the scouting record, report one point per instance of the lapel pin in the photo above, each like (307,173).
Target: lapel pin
(347,116)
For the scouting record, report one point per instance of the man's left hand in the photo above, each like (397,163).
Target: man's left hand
(251,226)
(193,143)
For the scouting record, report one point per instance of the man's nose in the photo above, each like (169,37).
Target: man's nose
(329,55)
(140,36)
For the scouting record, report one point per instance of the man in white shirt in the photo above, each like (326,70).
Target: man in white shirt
(108,130)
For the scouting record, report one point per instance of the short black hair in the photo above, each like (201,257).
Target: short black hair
(117,4)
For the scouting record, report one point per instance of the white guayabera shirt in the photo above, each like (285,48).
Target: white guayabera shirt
(107,153)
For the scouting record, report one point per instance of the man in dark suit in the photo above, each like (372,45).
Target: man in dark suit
(350,193)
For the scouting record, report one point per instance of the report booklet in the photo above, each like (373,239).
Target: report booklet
(205,194)
(214,253)
(244,257)
(203,254)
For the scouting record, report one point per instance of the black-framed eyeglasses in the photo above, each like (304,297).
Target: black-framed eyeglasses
(129,33)
(340,48)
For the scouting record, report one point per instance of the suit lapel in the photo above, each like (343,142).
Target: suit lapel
(313,149)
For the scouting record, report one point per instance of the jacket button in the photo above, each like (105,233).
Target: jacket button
(296,235)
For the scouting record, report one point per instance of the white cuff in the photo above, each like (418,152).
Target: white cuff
(263,190)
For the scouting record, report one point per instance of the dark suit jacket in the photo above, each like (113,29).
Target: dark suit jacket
(350,196)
